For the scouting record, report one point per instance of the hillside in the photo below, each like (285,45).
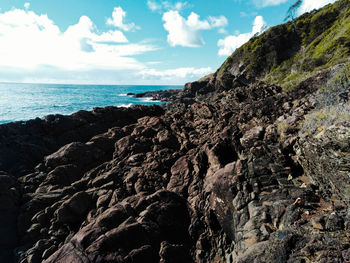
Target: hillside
(288,54)
(248,164)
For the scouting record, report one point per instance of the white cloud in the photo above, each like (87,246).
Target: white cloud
(182,32)
(30,41)
(306,6)
(182,73)
(309,5)
(232,42)
(265,3)
(187,32)
(154,6)
(222,31)
(166,5)
(220,21)
(111,36)
(26,5)
(117,20)
(244,14)
(259,25)
(34,49)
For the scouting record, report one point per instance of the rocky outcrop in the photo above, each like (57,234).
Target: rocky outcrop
(216,180)
(219,174)
(24,144)
(142,228)
(159,95)
(325,157)
(9,209)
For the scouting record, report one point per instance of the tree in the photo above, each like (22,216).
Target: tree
(292,10)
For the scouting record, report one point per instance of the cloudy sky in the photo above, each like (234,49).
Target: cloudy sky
(128,41)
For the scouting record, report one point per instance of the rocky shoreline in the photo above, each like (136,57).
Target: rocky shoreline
(221,173)
(208,181)
(159,95)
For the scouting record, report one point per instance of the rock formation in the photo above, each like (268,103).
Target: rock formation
(222,173)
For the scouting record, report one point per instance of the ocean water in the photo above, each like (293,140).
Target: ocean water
(28,101)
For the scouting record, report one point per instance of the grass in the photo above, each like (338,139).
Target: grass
(332,104)
(321,119)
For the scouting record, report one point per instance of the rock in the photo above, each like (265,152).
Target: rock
(167,139)
(211,176)
(171,253)
(74,208)
(67,254)
(48,252)
(75,153)
(253,254)
(324,158)
(346,255)
(334,222)
(142,254)
(161,95)
(32,140)
(180,172)
(103,200)
(116,225)
(64,175)
(251,136)
(318,223)
(223,196)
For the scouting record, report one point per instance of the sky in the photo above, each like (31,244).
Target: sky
(128,42)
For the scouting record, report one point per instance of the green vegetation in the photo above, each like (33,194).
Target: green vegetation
(321,119)
(333,105)
(292,10)
(288,54)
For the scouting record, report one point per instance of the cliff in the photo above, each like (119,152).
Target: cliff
(244,165)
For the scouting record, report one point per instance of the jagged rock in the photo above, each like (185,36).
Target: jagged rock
(9,206)
(74,208)
(30,141)
(148,223)
(251,136)
(326,160)
(211,177)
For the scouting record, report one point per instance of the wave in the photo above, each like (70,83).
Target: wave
(126,105)
(149,99)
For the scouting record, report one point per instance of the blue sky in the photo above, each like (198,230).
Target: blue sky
(128,41)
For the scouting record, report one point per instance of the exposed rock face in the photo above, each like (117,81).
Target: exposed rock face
(24,144)
(219,175)
(214,181)
(325,158)
(160,95)
(9,202)
(138,227)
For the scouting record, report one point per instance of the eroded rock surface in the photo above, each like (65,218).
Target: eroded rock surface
(219,174)
(214,181)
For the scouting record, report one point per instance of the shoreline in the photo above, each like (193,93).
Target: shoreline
(161,96)
(48,133)
(234,168)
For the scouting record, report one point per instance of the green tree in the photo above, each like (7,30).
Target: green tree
(292,10)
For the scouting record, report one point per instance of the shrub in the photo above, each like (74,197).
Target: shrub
(332,104)
(321,119)
(336,91)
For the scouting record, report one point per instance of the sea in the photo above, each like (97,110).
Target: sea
(20,102)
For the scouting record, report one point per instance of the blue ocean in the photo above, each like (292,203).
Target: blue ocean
(28,101)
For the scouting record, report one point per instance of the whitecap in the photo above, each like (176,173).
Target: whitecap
(126,105)
(149,99)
